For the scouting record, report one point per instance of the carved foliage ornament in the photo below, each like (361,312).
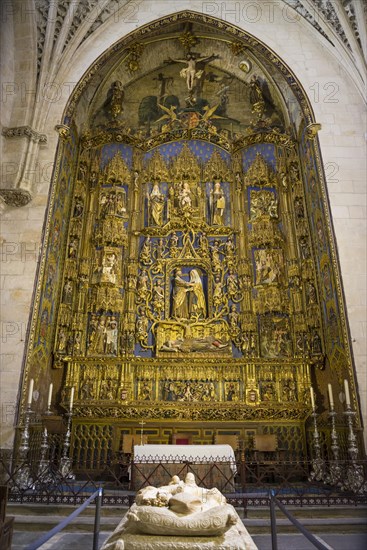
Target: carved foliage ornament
(24,131)
(15,197)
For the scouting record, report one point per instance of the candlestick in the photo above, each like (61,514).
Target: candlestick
(142,423)
(71,398)
(331,399)
(354,479)
(312,398)
(44,472)
(22,478)
(49,395)
(347,394)
(30,391)
(352,440)
(65,460)
(335,476)
(318,465)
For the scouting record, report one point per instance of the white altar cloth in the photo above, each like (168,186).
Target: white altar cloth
(182,453)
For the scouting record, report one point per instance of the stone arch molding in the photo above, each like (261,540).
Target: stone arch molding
(60,31)
(20,190)
(271,116)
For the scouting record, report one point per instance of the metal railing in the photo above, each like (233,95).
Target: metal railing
(121,477)
(316,541)
(98,495)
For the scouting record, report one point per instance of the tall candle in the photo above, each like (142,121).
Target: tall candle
(331,399)
(347,394)
(312,398)
(71,398)
(49,395)
(30,391)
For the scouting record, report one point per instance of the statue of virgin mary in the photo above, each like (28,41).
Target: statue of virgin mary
(197,297)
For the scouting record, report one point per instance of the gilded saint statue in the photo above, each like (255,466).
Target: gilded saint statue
(115,96)
(97,337)
(197,304)
(158,297)
(180,307)
(215,256)
(184,196)
(156,201)
(256,97)
(218,204)
(111,336)
(146,252)
(188,296)
(109,268)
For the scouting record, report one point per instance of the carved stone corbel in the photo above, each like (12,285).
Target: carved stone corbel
(15,197)
(313,129)
(64,131)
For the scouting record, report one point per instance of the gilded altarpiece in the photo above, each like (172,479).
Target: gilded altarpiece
(198,291)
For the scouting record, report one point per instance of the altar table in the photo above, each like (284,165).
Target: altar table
(213,465)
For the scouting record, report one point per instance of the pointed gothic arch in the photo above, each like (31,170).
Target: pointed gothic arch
(125,214)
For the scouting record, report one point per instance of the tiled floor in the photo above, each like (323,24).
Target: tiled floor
(83,541)
(61,541)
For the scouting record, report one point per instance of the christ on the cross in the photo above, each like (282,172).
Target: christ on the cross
(191,72)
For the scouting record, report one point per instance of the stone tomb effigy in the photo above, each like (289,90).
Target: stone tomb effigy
(213,465)
(180,515)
